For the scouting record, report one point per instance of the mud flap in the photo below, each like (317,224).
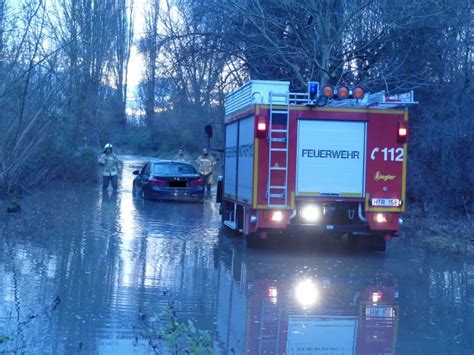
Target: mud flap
(219,190)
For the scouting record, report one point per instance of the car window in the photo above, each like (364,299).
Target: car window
(143,169)
(173,169)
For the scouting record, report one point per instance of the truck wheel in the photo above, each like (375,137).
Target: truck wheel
(352,241)
(253,241)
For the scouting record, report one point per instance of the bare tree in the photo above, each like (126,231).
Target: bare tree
(24,100)
(122,46)
(149,47)
(63,69)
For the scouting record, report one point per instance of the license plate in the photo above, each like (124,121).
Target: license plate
(380,312)
(386,202)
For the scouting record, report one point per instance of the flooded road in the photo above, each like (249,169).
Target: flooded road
(92,273)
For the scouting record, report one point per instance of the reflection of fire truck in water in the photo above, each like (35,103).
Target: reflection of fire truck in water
(330,162)
(297,315)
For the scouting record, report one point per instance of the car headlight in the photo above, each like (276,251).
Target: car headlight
(310,213)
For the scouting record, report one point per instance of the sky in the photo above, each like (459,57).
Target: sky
(136,65)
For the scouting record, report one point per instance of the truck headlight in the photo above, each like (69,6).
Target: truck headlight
(310,213)
(306,293)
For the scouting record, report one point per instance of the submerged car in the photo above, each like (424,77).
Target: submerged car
(169,180)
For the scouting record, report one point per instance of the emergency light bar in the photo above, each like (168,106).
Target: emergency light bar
(343,92)
(313,90)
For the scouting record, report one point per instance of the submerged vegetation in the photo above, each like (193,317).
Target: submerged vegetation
(166,334)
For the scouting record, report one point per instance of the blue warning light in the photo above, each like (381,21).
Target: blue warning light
(313,90)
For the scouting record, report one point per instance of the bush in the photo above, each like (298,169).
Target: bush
(82,167)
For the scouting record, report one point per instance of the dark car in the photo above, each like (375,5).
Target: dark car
(169,180)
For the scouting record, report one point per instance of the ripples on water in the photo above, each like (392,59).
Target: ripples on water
(110,257)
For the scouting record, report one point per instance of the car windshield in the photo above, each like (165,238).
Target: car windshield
(173,169)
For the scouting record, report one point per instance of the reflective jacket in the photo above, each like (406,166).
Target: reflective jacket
(111,163)
(181,158)
(205,164)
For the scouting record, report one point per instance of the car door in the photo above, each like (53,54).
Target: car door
(144,175)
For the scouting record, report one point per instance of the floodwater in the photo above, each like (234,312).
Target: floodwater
(83,272)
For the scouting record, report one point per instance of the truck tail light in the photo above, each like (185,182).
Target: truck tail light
(402,132)
(277,216)
(274,216)
(382,217)
(262,127)
(376,297)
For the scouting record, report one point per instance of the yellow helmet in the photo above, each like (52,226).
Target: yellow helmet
(107,146)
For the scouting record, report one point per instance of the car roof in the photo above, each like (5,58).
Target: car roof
(159,161)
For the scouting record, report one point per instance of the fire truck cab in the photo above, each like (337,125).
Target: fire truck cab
(330,161)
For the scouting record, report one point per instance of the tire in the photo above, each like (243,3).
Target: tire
(145,194)
(135,191)
(352,242)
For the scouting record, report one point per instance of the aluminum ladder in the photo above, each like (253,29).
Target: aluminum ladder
(277,191)
(270,328)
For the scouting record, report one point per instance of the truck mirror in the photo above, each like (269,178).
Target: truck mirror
(208,130)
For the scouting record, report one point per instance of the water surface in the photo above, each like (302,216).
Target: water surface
(83,271)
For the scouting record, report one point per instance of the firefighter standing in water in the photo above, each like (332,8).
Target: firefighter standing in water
(206,164)
(111,165)
(181,156)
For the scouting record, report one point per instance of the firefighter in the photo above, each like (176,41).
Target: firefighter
(181,156)
(111,165)
(206,164)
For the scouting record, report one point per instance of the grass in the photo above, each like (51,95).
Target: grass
(452,233)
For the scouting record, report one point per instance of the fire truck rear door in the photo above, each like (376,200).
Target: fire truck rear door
(331,158)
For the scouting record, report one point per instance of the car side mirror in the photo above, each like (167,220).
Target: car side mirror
(136,172)
(208,130)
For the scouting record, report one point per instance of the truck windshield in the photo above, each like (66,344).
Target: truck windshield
(173,169)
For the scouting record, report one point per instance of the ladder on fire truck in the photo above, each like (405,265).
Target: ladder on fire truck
(270,327)
(277,187)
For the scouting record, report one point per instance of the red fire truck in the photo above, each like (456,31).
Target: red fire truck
(330,161)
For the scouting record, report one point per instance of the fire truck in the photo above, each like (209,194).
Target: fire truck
(329,161)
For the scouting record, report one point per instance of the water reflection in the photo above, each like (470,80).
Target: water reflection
(299,302)
(284,303)
(107,257)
